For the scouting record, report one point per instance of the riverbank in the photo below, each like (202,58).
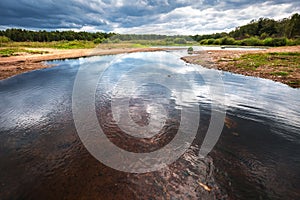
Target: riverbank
(280,64)
(26,61)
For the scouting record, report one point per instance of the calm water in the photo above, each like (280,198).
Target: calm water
(42,157)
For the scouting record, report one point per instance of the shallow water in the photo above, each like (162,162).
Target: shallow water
(41,155)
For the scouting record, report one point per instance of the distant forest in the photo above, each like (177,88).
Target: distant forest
(261,32)
(20,35)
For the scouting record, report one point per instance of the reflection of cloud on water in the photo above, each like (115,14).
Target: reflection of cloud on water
(259,96)
(263,97)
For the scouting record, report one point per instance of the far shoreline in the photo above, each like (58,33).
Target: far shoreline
(14,65)
(224,59)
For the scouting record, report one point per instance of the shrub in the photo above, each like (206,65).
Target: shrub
(227,41)
(290,42)
(4,39)
(218,41)
(279,41)
(238,42)
(107,40)
(263,36)
(210,41)
(169,41)
(116,41)
(253,41)
(276,42)
(180,41)
(190,49)
(98,40)
(204,42)
(297,41)
(268,41)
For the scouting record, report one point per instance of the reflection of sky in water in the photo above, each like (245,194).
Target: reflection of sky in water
(32,95)
(263,97)
(40,102)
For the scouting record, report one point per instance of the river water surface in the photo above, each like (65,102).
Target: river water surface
(42,157)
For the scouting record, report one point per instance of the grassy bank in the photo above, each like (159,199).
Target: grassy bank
(80,44)
(280,64)
(284,66)
(6,52)
(10,48)
(289,61)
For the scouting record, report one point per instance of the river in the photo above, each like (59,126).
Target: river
(42,156)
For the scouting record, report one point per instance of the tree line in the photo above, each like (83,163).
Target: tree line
(21,35)
(263,31)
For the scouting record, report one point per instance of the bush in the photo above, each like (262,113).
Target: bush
(169,41)
(204,42)
(98,40)
(238,42)
(290,42)
(253,41)
(190,49)
(106,41)
(275,42)
(218,41)
(227,41)
(180,41)
(4,39)
(263,36)
(279,42)
(297,41)
(210,41)
(268,41)
(116,41)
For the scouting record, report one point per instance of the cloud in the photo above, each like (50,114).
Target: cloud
(141,16)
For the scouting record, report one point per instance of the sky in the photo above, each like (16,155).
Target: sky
(167,17)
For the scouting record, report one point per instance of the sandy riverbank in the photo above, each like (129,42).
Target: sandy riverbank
(228,60)
(13,65)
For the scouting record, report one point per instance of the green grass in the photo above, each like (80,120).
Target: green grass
(286,60)
(82,44)
(6,52)
(285,54)
(139,46)
(75,45)
(295,82)
(280,73)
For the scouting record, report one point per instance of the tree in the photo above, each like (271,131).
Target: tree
(294,26)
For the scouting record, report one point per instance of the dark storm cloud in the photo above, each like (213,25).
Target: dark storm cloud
(157,16)
(47,14)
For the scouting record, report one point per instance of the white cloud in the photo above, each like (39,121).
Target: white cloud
(189,20)
(142,16)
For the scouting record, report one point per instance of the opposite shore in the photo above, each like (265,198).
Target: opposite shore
(24,62)
(279,64)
